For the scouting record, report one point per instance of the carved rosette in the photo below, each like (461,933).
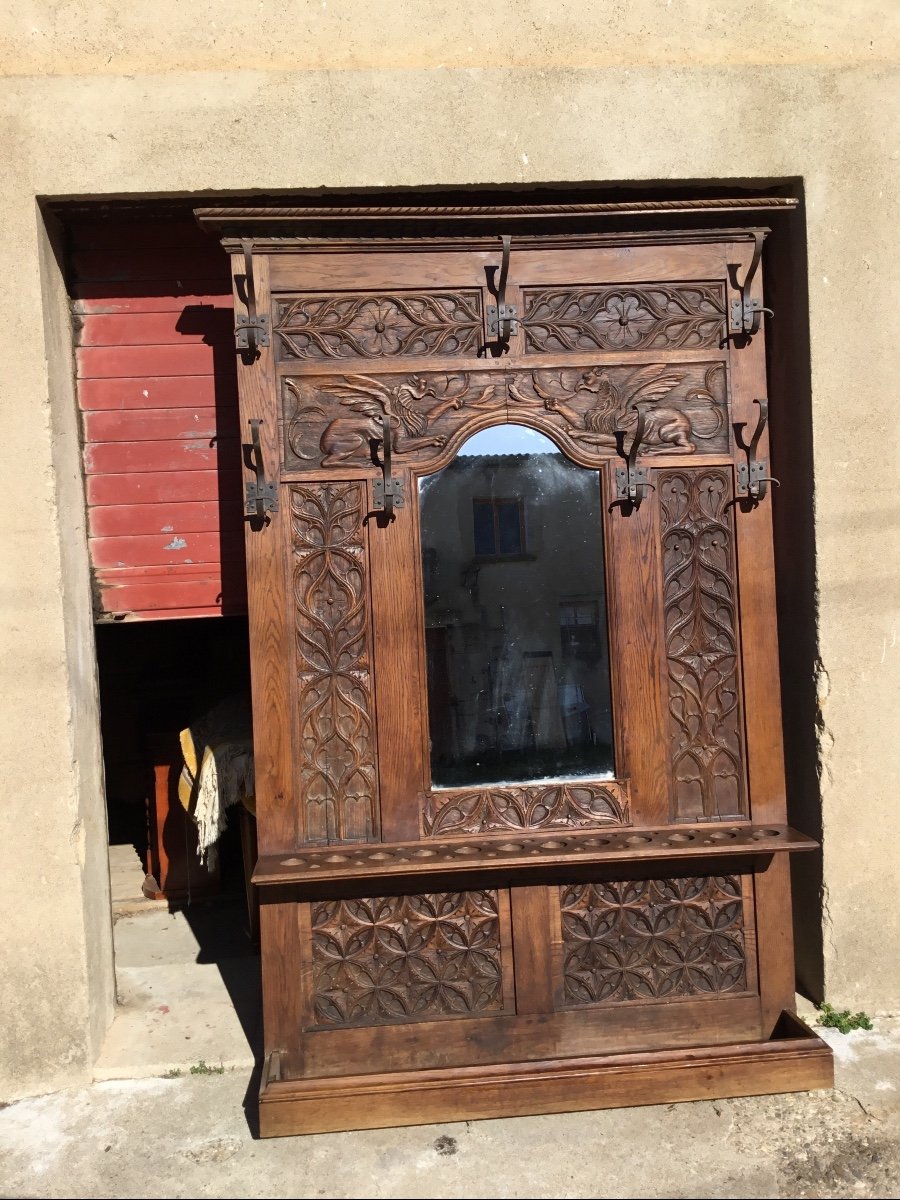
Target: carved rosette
(515,809)
(332,420)
(649,317)
(375,325)
(336,739)
(705,721)
(406,958)
(652,940)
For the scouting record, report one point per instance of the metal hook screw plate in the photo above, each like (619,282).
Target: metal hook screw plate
(261,495)
(251,328)
(387,492)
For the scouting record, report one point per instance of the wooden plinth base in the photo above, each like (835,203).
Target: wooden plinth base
(794,1060)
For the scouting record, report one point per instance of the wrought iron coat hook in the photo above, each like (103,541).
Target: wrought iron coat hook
(632,481)
(252,328)
(746,314)
(261,496)
(502,318)
(387,492)
(753,482)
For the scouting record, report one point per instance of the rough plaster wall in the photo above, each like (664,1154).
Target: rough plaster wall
(88,837)
(57,985)
(115,127)
(210,35)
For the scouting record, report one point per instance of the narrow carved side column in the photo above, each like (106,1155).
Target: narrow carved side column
(705,719)
(336,743)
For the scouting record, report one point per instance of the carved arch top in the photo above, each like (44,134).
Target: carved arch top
(331,421)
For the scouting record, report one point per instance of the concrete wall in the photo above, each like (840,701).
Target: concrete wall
(104,98)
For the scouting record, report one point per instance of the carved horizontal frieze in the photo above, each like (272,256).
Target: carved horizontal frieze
(652,940)
(646,317)
(572,805)
(378,325)
(336,420)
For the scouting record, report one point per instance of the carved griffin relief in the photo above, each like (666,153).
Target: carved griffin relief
(336,420)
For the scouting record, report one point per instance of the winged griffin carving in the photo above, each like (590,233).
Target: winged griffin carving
(593,407)
(412,405)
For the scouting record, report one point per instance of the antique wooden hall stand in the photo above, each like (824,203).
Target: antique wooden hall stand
(517,724)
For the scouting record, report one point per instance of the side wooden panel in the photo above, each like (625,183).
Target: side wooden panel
(634,598)
(761,680)
(756,567)
(532,942)
(399,666)
(267,600)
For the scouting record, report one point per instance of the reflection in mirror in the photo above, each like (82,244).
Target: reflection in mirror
(515,614)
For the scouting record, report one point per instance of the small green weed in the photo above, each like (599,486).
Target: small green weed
(202,1068)
(844,1020)
(173,1073)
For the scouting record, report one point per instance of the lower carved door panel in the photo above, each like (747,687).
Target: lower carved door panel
(520,786)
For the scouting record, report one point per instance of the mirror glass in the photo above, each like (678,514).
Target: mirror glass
(515,614)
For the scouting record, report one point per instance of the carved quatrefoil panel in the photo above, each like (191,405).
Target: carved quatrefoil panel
(652,940)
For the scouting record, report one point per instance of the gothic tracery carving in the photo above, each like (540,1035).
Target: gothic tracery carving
(580,805)
(401,958)
(652,940)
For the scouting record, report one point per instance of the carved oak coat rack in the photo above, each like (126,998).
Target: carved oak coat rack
(543,942)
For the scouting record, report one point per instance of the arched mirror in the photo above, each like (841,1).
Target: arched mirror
(515,614)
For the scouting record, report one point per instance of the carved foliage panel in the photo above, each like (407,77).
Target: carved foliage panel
(406,958)
(701,635)
(332,420)
(576,805)
(378,325)
(642,317)
(336,743)
(652,940)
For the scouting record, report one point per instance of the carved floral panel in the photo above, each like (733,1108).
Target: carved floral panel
(705,722)
(576,805)
(652,940)
(336,739)
(333,420)
(645,317)
(406,958)
(374,325)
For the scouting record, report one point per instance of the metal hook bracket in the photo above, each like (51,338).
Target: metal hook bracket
(261,495)
(252,328)
(752,480)
(387,492)
(502,318)
(632,481)
(746,314)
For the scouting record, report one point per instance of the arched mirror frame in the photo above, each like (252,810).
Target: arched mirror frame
(587,799)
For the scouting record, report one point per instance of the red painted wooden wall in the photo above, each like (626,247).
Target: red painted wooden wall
(157,390)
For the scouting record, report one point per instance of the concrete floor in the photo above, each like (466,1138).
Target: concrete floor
(188,984)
